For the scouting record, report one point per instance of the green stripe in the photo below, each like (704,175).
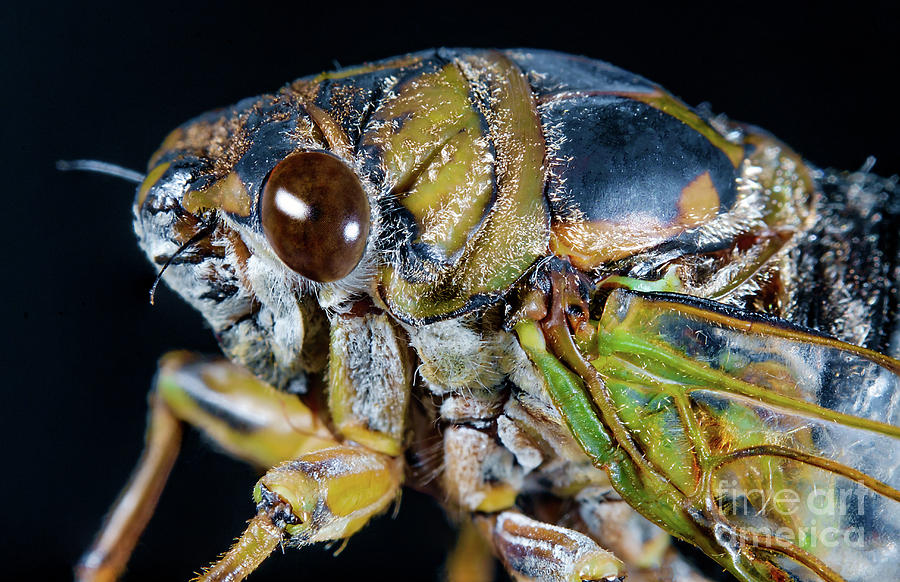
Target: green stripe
(568,396)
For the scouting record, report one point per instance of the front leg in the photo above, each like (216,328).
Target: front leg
(246,417)
(322,496)
(114,543)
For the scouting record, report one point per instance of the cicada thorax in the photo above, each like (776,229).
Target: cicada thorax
(457,149)
(642,186)
(483,162)
(630,171)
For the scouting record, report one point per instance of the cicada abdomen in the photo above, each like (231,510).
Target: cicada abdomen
(847,267)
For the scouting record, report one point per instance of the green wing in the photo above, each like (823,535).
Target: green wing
(772,448)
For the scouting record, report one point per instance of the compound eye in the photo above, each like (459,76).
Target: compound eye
(315,215)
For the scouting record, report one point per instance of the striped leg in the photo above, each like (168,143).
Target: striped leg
(533,550)
(246,417)
(321,496)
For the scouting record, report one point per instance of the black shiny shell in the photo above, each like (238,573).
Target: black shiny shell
(625,157)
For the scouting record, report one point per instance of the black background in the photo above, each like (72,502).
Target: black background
(108,81)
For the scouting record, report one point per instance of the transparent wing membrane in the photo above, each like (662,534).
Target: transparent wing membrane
(789,439)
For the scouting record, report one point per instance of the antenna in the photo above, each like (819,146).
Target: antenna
(99,167)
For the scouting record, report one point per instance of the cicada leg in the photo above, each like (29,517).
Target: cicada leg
(619,528)
(533,550)
(471,559)
(645,548)
(123,526)
(321,496)
(246,417)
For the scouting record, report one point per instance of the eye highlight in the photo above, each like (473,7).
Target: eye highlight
(315,215)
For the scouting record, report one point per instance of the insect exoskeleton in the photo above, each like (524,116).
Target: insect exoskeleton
(547,291)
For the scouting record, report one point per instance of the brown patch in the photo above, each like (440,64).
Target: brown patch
(228,194)
(243,255)
(220,141)
(305,89)
(699,201)
(224,140)
(532,530)
(332,132)
(361,308)
(590,244)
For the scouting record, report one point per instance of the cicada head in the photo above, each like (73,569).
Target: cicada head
(287,207)
(261,223)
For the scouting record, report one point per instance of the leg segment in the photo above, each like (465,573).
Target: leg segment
(613,523)
(532,550)
(246,417)
(479,474)
(471,559)
(260,539)
(321,496)
(111,549)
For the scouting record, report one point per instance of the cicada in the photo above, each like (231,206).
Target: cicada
(585,316)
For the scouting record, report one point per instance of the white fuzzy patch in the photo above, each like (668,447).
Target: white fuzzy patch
(455,357)
(473,463)
(376,369)
(517,441)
